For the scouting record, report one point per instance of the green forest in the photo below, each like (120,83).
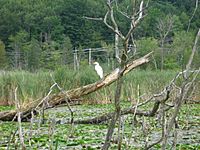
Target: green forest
(99,74)
(44,34)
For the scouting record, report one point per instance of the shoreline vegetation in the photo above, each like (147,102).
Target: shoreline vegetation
(32,86)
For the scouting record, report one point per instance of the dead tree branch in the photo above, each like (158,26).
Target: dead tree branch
(76,93)
(67,99)
(134,22)
(194,12)
(188,66)
(159,98)
(185,88)
(17,104)
(184,92)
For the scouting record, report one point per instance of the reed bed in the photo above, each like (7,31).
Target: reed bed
(36,85)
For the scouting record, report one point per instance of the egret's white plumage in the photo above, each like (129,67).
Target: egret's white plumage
(98,69)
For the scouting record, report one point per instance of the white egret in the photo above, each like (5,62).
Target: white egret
(98,69)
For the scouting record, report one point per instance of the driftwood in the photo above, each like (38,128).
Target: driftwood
(56,99)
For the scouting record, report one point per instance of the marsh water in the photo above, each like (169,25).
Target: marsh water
(57,132)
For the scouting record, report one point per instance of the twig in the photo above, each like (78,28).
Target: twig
(145,130)
(67,98)
(46,97)
(44,103)
(121,12)
(135,22)
(31,128)
(91,18)
(135,110)
(175,140)
(189,22)
(12,136)
(163,129)
(51,133)
(188,66)
(17,104)
(111,27)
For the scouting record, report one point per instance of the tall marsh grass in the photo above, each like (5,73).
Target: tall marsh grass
(32,86)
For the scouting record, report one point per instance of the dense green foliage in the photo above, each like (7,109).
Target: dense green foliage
(43,34)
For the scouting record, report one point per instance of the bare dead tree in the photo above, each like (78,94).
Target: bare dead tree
(123,60)
(165,26)
(193,14)
(134,18)
(185,88)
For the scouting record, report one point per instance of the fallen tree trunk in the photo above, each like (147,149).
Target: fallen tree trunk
(106,117)
(56,99)
(132,110)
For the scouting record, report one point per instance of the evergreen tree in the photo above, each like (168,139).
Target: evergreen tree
(34,55)
(67,51)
